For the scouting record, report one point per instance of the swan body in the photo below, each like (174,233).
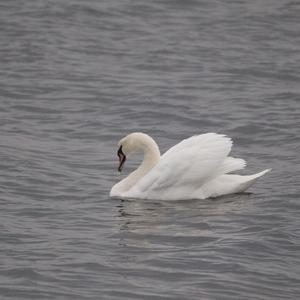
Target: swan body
(195,168)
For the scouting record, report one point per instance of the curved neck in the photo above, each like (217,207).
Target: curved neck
(151,158)
(151,155)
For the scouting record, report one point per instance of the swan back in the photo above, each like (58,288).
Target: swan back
(184,167)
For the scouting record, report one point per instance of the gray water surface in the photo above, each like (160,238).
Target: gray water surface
(75,77)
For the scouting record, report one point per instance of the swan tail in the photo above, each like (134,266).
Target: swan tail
(248,180)
(257,175)
(230,183)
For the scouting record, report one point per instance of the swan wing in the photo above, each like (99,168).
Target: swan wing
(185,167)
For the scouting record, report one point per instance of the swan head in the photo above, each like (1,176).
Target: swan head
(127,145)
(135,142)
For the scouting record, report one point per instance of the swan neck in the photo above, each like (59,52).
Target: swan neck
(151,156)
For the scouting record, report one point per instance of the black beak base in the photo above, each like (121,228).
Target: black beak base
(122,159)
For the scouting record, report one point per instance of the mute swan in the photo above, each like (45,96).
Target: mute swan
(196,168)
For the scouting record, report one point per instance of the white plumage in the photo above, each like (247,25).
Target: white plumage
(196,168)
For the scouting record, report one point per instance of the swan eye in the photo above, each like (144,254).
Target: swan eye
(122,158)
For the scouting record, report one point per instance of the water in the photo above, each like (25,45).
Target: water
(76,76)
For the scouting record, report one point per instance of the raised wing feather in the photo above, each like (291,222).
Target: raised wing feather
(184,167)
(230,164)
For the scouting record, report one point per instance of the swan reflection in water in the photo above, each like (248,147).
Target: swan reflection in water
(160,225)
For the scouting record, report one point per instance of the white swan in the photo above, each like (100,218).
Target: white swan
(196,168)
